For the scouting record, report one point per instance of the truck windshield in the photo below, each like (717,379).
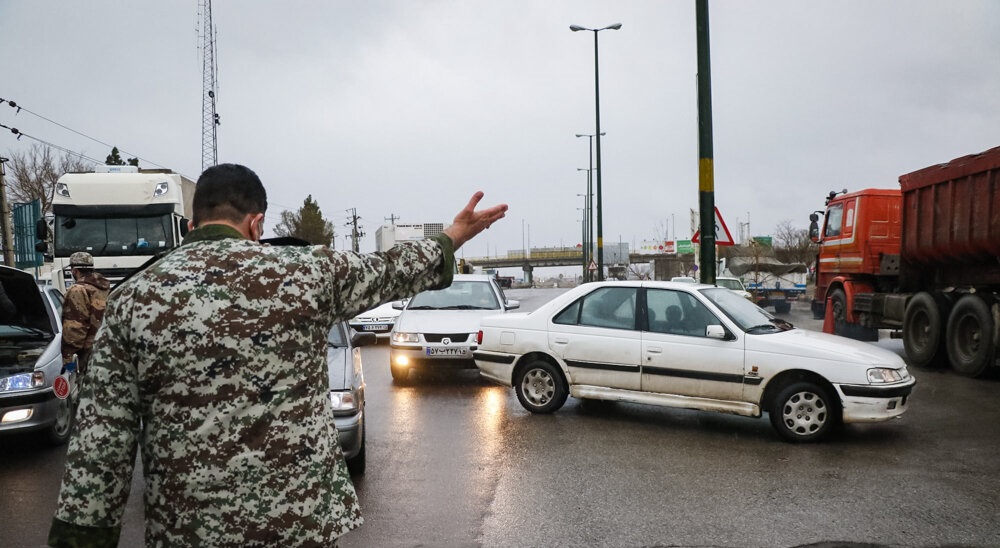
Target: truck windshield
(113,236)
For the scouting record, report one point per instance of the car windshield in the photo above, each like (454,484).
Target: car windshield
(748,316)
(460,295)
(729,283)
(337,336)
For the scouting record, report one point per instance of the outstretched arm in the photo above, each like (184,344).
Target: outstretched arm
(470,222)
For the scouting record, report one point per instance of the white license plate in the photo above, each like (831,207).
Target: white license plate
(453,351)
(374,327)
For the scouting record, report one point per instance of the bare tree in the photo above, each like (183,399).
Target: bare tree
(33,174)
(792,245)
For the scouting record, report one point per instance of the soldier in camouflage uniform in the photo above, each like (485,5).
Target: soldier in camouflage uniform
(212,362)
(83,310)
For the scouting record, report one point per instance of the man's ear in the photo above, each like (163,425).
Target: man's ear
(190,225)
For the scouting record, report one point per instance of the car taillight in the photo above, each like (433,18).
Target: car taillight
(479,337)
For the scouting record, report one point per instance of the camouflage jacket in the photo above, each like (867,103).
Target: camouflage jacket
(83,310)
(212,362)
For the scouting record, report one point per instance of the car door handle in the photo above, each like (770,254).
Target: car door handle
(654,350)
(560,340)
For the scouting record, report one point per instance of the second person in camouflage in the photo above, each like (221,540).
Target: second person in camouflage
(211,362)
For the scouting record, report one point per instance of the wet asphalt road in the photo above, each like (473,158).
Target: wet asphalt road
(455,461)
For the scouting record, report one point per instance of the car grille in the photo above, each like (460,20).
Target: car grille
(437,337)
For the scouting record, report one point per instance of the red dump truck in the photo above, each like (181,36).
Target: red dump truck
(922,260)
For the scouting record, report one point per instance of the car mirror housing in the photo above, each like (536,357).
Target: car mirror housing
(363,339)
(398,305)
(512,304)
(715,332)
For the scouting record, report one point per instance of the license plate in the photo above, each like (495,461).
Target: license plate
(453,351)
(373,327)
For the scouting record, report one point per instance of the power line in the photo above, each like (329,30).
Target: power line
(20,134)
(19,108)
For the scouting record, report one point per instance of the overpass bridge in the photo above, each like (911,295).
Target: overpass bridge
(559,256)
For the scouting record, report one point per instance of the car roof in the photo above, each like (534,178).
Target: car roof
(472,278)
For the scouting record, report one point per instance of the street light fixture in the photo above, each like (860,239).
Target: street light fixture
(597,133)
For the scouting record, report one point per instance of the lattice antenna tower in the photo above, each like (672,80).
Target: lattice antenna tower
(209,117)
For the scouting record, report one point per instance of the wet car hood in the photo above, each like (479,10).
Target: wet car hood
(823,346)
(442,321)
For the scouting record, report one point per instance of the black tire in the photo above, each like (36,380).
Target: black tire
(923,331)
(838,301)
(541,387)
(400,375)
(783,307)
(970,337)
(59,432)
(804,412)
(356,464)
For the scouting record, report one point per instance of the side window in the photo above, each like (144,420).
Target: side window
(57,301)
(570,315)
(677,313)
(609,307)
(834,218)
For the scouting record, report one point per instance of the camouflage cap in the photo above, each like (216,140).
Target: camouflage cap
(81,259)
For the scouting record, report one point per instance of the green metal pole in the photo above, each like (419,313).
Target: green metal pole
(600,214)
(706,170)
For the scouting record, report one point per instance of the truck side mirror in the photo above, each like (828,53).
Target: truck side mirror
(41,230)
(814,227)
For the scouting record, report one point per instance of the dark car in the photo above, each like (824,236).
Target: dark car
(30,359)
(347,390)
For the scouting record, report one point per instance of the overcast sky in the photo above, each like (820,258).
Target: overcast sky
(404,108)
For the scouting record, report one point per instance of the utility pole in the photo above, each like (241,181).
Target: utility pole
(356,233)
(391,218)
(706,156)
(7,224)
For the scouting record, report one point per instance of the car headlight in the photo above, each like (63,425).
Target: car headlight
(882,375)
(405,337)
(343,401)
(24,381)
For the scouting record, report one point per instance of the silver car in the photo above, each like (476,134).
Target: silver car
(347,390)
(30,360)
(437,329)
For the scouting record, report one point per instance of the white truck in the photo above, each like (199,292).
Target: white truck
(122,215)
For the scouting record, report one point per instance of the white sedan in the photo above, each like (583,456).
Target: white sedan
(691,346)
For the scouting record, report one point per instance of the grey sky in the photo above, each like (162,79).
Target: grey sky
(407,107)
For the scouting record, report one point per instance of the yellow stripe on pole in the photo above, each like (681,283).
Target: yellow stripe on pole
(706,175)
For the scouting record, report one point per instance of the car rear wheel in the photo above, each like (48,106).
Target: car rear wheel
(541,387)
(804,412)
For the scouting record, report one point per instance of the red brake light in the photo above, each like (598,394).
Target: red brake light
(479,337)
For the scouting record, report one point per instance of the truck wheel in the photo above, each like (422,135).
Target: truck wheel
(922,330)
(838,300)
(970,337)
(783,307)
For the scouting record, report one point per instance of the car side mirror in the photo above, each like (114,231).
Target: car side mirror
(512,304)
(814,228)
(363,339)
(398,305)
(715,332)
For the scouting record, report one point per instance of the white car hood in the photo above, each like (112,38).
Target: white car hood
(822,346)
(441,321)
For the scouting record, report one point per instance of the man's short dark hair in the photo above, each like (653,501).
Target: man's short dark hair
(228,192)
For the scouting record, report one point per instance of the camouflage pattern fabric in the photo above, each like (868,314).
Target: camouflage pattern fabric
(83,310)
(213,363)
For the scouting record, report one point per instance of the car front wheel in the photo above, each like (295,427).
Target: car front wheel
(356,464)
(804,412)
(541,387)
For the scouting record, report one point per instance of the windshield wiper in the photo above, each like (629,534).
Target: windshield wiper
(425,307)
(29,330)
(762,327)
(466,307)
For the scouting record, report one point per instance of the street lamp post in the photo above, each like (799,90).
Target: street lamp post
(590,194)
(597,133)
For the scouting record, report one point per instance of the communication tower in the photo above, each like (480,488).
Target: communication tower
(209,118)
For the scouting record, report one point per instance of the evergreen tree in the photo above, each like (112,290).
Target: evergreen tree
(306,224)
